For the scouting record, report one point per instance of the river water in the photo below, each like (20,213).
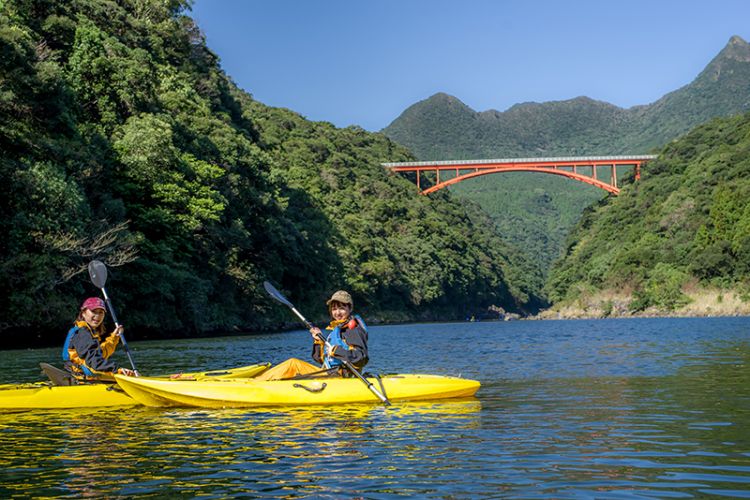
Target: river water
(620,408)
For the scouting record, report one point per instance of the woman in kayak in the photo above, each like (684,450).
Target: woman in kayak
(347,340)
(86,351)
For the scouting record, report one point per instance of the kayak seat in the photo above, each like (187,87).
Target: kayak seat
(58,376)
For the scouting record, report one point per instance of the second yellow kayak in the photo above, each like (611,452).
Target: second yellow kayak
(45,395)
(316,391)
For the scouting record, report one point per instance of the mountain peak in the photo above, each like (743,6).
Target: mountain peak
(729,65)
(441,98)
(437,104)
(737,49)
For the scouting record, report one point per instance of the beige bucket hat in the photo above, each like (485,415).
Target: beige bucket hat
(341,296)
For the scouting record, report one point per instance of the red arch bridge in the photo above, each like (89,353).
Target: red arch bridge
(584,169)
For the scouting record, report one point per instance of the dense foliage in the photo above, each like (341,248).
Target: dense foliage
(687,220)
(536,211)
(123,140)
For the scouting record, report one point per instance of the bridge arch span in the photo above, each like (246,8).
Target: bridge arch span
(582,178)
(565,166)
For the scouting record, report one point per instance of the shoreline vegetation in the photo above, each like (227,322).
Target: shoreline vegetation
(703,303)
(700,302)
(123,140)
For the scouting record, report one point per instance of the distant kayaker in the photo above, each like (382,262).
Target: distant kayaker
(86,351)
(347,338)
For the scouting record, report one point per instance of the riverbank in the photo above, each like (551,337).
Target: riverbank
(604,304)
(615,304)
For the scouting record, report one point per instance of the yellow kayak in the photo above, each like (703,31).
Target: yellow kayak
(315,391)
(46,395)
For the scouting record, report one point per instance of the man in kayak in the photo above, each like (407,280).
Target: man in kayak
(347,339)
(86,351)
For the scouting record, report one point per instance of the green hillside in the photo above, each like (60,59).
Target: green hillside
(721,89)
(536,211)
(122,139)
(685,225)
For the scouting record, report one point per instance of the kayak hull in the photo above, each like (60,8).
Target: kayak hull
(317,391)
(45,395)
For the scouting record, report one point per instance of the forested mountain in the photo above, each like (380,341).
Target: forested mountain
(122,139)
(536,211)
(442,127)
(684,226)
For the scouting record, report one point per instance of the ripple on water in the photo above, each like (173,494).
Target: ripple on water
(609,409)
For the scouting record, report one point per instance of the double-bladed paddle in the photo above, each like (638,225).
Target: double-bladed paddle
(279,297)
(98,274)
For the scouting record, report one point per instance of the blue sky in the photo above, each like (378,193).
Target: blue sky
(357,62)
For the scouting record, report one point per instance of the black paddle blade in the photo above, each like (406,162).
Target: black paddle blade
(276,294)
(98,273)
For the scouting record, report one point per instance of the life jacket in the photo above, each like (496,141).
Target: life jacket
(74,362)
(335,339)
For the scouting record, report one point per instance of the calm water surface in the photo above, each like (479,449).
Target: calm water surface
(638,408)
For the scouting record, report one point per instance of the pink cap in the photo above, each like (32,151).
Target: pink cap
(93,303)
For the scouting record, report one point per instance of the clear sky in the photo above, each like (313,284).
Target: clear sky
(363,62)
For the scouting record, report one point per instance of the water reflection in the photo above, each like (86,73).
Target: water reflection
(635,409)
(101,452)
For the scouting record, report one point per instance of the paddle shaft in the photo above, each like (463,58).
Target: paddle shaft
(117,325)
(280,298)
(98,275)
(302,318)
